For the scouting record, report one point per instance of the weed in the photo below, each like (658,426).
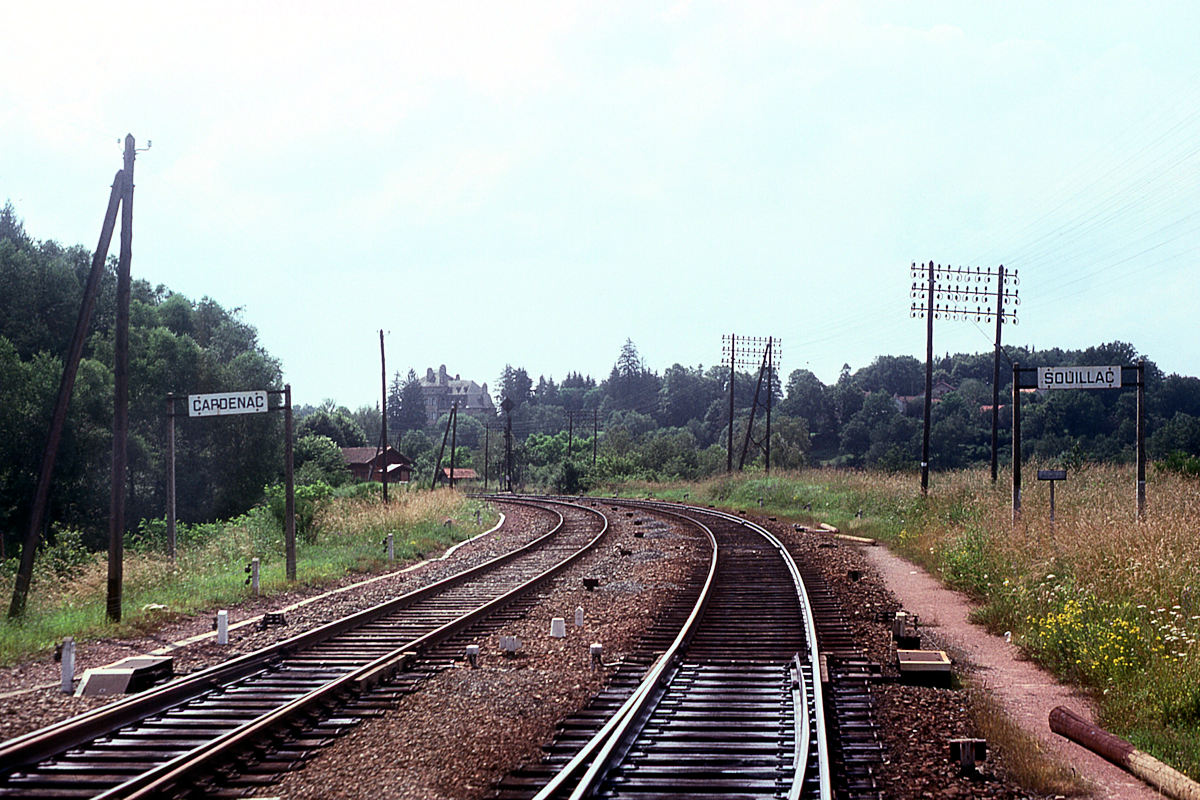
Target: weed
(68,595)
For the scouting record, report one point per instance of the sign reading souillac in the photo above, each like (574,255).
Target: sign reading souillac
(1079,378)
(211,405)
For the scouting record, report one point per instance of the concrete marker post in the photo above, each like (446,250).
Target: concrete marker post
(68,665)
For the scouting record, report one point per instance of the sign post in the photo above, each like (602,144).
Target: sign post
(289,503)
(1054,476)
(1108,377)
(224,404)
(171,475)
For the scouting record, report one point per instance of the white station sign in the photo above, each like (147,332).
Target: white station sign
(211,405)
(1079,378)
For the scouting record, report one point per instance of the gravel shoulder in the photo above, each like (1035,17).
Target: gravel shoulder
(1025,693)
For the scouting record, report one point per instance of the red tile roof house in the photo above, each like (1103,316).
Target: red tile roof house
(460,474)
(364,464)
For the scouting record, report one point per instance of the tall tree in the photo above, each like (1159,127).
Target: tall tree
(11,226)
(630,384)
(515,384)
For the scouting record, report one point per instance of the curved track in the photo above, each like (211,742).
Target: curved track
(733,709)
(169,740)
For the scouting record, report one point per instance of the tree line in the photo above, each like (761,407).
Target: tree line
(676,424)
(176,345)
(568,434)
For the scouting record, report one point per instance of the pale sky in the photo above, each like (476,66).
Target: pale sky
(534,182)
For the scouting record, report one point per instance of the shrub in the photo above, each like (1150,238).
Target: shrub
(309,500)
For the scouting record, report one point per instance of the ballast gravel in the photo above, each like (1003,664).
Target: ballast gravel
(465,728)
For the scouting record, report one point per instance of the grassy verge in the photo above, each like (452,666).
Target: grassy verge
(1103,600)
(68,593)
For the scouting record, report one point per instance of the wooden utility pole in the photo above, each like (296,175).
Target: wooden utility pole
(41,497)
(383,407)
(507,406)
(996,375)
(289,476)
(928,384)
(453,439)
(116,519)
(1141,439)
(764,368)
(441,452)
(570,431)
(1016,448)
(487,441)
(732,373)
(171,474)
(595,433)
(770,391)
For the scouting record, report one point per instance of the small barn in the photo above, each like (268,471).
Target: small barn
(460,474)
(368,463)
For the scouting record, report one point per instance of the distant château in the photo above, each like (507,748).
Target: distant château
(441,392)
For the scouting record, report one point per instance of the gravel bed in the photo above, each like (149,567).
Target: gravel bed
(466,728)
(26,710)
(916,722)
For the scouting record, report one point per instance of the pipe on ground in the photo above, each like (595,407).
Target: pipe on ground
(1167,780)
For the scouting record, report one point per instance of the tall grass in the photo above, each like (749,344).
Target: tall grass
(1106,601)
(68,594)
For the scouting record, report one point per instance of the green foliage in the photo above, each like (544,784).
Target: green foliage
(65,553)
(571,479)
(333,423)
(309,499)
(317,459)
(176,345)
(151,535)
(209,570)
(1180,463)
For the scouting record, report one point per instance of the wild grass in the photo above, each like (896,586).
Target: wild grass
(1105,600)
(68,595)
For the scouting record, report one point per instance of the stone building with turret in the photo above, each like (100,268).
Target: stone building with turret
(442,391)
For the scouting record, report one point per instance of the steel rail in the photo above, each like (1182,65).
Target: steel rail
(619,732)
(39,745)
(810,633)
(155,782)
(596,750)
(45,742)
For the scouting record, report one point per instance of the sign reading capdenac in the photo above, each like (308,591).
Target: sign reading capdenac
(1079,378)
(211,405)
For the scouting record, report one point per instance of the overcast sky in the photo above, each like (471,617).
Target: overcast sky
(534,182)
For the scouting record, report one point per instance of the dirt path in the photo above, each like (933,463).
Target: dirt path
(1026,692)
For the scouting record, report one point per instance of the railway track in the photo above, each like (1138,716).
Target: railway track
(733,708)
(175,739)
